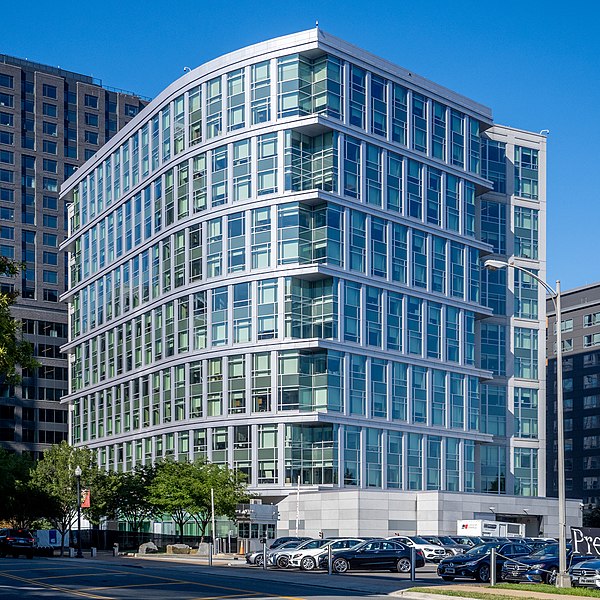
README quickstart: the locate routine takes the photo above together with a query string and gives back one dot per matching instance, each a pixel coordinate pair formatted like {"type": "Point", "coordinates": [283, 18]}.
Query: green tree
{"type": "Point", "coordinates": [229, 489]}
{"type": "Point", "coordinates": [13, 468]}
{"type": "Point", "coordinates": [15, 352]}
{"type": "Point", "coordinates": [134, 504]}
{"type": "Point", "coordinates": [21, 504]}
{"type": "Point", "coordinates": [171, 492]}
{"type": "Point", "coordinates": [127, 496]}
{"type": "Point", "coordinates": [55, 475]}
{"type": "Point", "coordinates": [183, 491]}
{"type": "Point", "coordinates": [104, 490]}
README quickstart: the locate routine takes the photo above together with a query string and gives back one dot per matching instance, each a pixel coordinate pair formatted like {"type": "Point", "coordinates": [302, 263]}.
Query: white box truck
{"type": "Point", "coordinates": [483, 528]}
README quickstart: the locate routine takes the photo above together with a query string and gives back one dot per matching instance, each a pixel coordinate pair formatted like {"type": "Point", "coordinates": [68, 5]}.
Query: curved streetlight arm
{"type": "Point", "coordinates": [494, 265]}
{"type": "Point", "coordinates": [562, 579]}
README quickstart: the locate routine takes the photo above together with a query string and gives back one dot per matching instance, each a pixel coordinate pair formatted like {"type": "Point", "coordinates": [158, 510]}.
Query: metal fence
{"type": "Point", "coordinates": [130, 541]}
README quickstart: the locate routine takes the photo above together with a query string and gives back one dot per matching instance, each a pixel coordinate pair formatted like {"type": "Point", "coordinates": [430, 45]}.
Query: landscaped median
{"type": "Point", "coordinates": [502, 591]}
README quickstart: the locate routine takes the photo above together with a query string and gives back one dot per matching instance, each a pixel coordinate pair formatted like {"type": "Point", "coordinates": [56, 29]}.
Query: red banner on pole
{"type": "Point", "coordinates": [85, 498]}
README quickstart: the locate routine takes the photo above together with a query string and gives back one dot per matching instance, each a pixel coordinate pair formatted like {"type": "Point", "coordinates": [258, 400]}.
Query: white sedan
{"type": "Point", "coordinates": [306, 558]}
{"type": "Point", "coordinates": [431, 552]}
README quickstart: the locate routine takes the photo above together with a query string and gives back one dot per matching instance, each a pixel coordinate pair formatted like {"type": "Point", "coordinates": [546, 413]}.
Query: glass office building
{"type": "Point", "coordinates": [277, 266]}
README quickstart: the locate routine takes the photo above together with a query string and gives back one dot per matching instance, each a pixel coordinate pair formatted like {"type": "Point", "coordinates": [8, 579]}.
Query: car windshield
{"type": "Point", "coordinates": [446, 540]}
{"type": "Point", "coordinates": [481, 550]}
{"type": "Point", "coordinates": [18, 533]}
{"type": "Point", "coordinates": [312, 544]}
{"type": "Point", "coordinates": [418, 540]}
{"type": "Point", "coordinates": [292, 544]}
{"type": "Point", "coordinates": [546, 551]}
{"type": "Point", "coordinates": [359, 546]}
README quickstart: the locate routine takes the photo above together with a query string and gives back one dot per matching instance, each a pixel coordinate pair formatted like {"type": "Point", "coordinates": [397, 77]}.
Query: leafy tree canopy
{"type": "Point", "coordinates": [14, 350]}
{"type": "Point", "coordinates": [183, 490]}
{"type": "Point", "coordinates": [55, 475]}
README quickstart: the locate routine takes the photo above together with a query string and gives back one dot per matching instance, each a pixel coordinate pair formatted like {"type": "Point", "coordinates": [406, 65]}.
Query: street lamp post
{"type": "Point", "coordinates": [562, 579]}
{"type": "Point", "coordinates": [78, 479]}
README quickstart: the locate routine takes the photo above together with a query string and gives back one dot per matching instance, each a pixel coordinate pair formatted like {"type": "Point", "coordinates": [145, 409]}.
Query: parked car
{"type": "Point", "coordinates": [475, 563]}
{"type": "Point", "coordinates": [448, 544]}
{"type": "Point", "coordinates": [308, 558]}
{"type": "Point", "coordinates": [16, 542]}
{"type": "Point", "coordinates": [256, 557]}
{"type": "Point", "coordinates": [431, 552]}
{"type": "Point", "coordinates": [282, 559]}
{"type": "Point", "coordinates": [374, 555]}
{"type": "Point", "coordinates": [586, 574]}
{"type": "Point", "coordinates": [468, 540]}
{"type": "Point", "coordinates": [284, 540]}
{"type": "Point", "coordinates": [540, 566]}
{"type": "Point", "coordinates": [538, 544]}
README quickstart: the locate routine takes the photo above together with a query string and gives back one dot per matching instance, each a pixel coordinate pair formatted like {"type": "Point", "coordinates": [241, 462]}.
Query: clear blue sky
{"type": "Point", "coordinates": [536, 64]}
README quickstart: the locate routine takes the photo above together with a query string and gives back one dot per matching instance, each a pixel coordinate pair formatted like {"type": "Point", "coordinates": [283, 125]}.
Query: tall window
{"type": "Point", "coordinates": [493, 225]}
{"type": "Point", "coordinates": [493, 163]}
{"type": "Point", "coordinates": [526, 232]}
{"type": "Point", "coordinates": [526, 353]}
{"type": "Point", "coordinates": [526, 295]}
{"type": "Point", "coordinates": [526, 172]}
{"type": "Point", "coordinates": [493, 348]}
{"type": "Point", "coordinates": [260, 93]}
{"type": "Point", "coordinates": [526, 412]}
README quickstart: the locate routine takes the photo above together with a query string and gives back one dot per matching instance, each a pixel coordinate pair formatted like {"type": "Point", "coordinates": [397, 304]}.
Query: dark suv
{"type": "Point", "coordinates": [540, 566]}
{"type": "Point", "coordinates": [475, 563]}
{"type": "Point", "coordinates": [16, 542]}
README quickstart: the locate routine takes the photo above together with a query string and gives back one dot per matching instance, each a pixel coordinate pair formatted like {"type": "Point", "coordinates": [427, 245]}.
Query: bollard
{"type": "Point", "coordinates": [413, 563]}
{"type": "Point", "coordinates": [71, 552]}
{"type": "Point", "coordinates": [93, 552]}
{"type": "Point", "coordinates": [115, 550]}
{"type": "Point", "coordinates": [329, 559]}
{"type": "Point", "coordinates": [264, 553]}
{"type": "Point", "coordinates": [210, 554]}
{"type": "Point", "coordinates": [493, 567]}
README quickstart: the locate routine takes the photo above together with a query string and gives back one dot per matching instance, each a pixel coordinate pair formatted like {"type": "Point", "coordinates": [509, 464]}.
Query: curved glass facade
{"type": "Point", "coordinates": [276, 266]}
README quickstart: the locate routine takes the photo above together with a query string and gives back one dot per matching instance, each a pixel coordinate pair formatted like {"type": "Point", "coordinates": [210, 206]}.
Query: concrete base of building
{"type": "Point", "coordinates": [387, 512]}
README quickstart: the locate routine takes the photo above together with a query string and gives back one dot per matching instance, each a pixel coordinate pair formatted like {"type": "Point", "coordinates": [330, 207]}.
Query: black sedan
{"type": "Point", "coordinates": [16, 542]}
{"type": "Point", "coordinates": [540, 566]}
{"type": "Point", "coordinates": [373, 556]}
{"type": "Point", "coordinates": [475, 563]}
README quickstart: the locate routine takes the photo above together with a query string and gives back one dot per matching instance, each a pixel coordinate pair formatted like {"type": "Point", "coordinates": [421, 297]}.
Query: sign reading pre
{"type": "Point", "coordinates": [585, 540]}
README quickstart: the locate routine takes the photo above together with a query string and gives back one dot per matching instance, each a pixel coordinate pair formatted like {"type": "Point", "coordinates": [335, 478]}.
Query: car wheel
{"type": "Point", "coordinates": [340, 565]}
{"type": "Point", "coordinates": [283, 562]}
{"type": "Point", "coordinates": [483, 573]}
{"type": "Point", "coordinates": [259, 560]}
{"type": "Point", "coordinates": [307, 563]}
{"type": "Point", "coordinates": [447, 578]}
{"type": "Point", "coordinates": [551, 577]}
{"type": "Point", "coordinates": [403, 565]}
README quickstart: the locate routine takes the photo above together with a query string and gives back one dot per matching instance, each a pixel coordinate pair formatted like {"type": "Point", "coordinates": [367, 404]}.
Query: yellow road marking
{"type": "Point", "coordinates": [54, 587]}
{"type": "Point", "coordinates": [95, 574]}
{"type": "Point", "coordinates": [163, 581]}
{"type": "Point", "coordinates": [198, 583]}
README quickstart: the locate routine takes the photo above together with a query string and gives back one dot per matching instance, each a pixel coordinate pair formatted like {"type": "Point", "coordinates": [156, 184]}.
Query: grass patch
{"type": "Point", "coordinates": [447, 591]}
{"type": "Point", "coordinates": [550, 589]}
{"type": "Point", "coordinates": [524, 587]}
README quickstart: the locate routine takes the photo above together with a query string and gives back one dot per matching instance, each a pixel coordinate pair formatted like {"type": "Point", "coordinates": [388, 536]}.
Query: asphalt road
{"type": "Point", "coordinates": [62, 578]}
